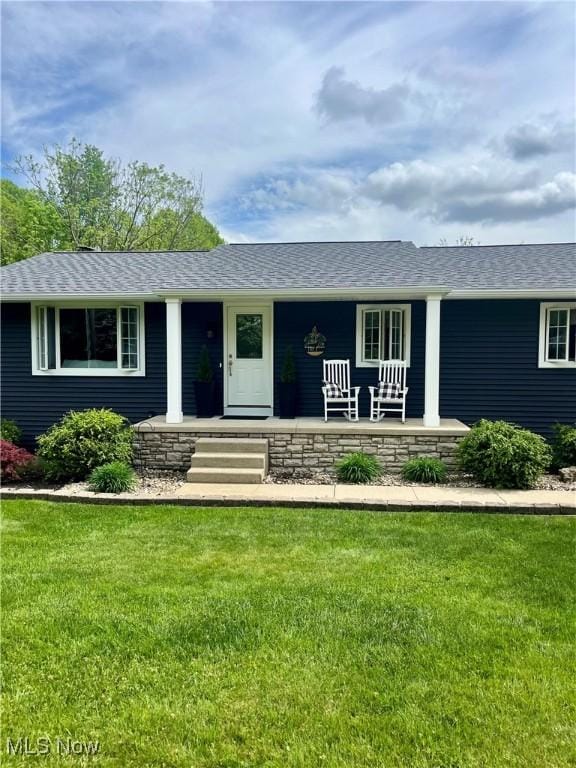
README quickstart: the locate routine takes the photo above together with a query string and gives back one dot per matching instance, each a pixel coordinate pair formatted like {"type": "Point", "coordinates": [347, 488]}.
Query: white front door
{"type": "Point", "coordinates": [248, 388]}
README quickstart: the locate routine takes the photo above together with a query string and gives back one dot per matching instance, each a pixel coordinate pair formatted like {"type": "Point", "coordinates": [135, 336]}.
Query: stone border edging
{"type": "Point", "coordinates": [369, 505]}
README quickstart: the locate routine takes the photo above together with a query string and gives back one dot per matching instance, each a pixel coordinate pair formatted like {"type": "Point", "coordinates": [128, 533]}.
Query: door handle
{"type": "Point", "coordinates": [230, 362]}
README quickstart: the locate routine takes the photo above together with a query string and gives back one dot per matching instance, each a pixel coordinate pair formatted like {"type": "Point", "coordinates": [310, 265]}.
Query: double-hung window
{"type": "Point", "coordinates": [557, 335]}
{"type": "Point", "coordinates": [103, 340]}
{"type": "Point", "coordinates": [382, 333]}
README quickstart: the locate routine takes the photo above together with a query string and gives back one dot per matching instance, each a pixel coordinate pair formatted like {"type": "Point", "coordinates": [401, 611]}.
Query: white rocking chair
{"type": "Point", "coordinates": [390, 394]}
{"type": "Point", "coordinates": [339, 396]}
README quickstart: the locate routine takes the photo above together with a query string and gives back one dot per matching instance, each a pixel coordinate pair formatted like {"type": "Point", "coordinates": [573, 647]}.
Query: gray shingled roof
{"type": "Point", "coordinates": [295, 266]}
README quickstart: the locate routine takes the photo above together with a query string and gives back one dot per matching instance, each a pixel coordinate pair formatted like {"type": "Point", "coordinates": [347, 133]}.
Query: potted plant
{"type": "Point", "coordinates": [287, 390]}
{"type": "Point", "coordinates": [204, 385]}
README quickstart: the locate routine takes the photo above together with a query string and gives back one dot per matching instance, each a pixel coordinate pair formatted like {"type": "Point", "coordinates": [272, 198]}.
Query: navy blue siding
{"type": "Point", "coordinates": [489, 366]}
{"type": "Point", "coordinates": [337, 321]}
{"type": "Point", "coordinates": [201, 324]}
{"type": "Point", "coordinates": [36, 402]}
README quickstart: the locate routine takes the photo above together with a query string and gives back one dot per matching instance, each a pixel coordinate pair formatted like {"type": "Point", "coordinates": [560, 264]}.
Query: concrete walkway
{"type": "Point", "coordinates": [377, 497]}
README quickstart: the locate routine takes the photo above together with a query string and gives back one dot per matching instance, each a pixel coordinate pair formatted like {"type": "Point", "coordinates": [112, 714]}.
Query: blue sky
{"type": "Point", "coordinates": [316, 121]}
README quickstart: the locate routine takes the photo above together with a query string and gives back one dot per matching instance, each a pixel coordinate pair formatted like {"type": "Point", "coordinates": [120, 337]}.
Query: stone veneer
{"type": "Point", "coordinates": [296, 452]}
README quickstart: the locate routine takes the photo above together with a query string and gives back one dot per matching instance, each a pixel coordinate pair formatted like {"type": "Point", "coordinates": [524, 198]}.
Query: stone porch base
{"type": "Point", "coordinates": [298, 445]}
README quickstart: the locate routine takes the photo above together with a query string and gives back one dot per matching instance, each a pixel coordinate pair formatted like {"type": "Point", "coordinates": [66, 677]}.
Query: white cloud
{"type": "Point", "coordinates": [472, 193]}
{"type": "Point", "coordinates": [531, 139]}
{"type": "Point", "coordinates": [341, 99]}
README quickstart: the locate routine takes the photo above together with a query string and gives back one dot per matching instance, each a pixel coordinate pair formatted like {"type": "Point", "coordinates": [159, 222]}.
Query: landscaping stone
{"type": "Point", "coordinates": [568, 474]}
{"type": "Point", "coordinates": [295, 451]}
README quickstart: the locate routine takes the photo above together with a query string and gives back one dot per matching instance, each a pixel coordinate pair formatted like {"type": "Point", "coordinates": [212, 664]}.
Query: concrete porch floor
{"type": "Point", "coordinates": [303, 425]}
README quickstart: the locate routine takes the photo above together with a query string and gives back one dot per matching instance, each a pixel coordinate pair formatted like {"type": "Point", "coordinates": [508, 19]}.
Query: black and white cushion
{"type": "Point", "coordinates": [388, 390]}
{"type": "Point", "coordinates": [333, 390]}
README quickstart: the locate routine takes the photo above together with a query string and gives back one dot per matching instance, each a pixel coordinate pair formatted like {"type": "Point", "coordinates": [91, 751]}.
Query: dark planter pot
{"type": "Point", "coordinates": [204, 391]}
{"type": "Point", "coordinates": [288, 399]}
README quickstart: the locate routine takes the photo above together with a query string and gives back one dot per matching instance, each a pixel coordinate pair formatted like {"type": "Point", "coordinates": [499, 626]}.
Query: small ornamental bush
{"type": "Point", "coordinates": [358, 468]}
{"type": "Point", "coordinates": [13, 460]}
{"type": "Point", "coordinates": [10, 431]}
{"type": "Point", "coordinates": [84, 440]}
{"type": "Point", "coordinates": [205, 372]}
{"type": "Point", "coordinates": [502, 455]}
{"type": "Point", "coordinates": [115, 477]}
{"type": "Point", "coordinates": [564, 446]}
{"type": "Point", "coordinates": [424, 469]}
{"type": "Point", "coordinates": [288, 374]}
{"type": "Point", "coordinates": [34, 470]}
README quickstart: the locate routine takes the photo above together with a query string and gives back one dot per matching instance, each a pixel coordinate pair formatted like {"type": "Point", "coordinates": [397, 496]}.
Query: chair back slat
{"type": "Point", "coordinates": [393, 372]}
{"type": "Point", "coordinates": [337, 372]}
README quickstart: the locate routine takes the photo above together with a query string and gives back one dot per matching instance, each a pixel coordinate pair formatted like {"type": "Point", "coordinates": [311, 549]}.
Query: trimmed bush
{"type": "Point", "coordinates": [13, 460]}
{"type": "Point", "coordinates": [84, 440]}
{"type": "Point", "coordinates": [564, 446]}
{"type": "Point", "coordinates": [115, 477]}
{"type": "Point", "coordinates": [10, 431]}
{"type": "Point", "coordinates": [34, 470]}
{"type": "Point", "coordinates": [358, 468]}
{"type": "Point", "coordinates": [503, 455]}
{"type": "Point", "coordinates": [424, 469]}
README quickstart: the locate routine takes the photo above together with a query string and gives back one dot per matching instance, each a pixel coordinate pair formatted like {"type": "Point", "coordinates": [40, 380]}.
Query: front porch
{"type": "Point", "coordinates": [302, 445]}
{"type": "Point", "coordinates": [246, 343]}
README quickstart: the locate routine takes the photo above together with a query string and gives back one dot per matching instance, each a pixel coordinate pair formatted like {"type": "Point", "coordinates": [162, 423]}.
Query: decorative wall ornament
{"type": "Point", "coordinates": [314, 343]}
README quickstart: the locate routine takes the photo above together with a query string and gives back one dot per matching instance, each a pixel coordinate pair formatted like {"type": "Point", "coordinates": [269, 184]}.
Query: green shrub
{"type": "Point", "coordinates": [115, 477]}
{"type": "Point", "coordinates": [424, 469]}
{"type": "Point", "coordinates": [502, 455]}
{"type": "Point", "coordinates": [564, 446]}
{"type": "Point", "coordinates": [358, 468]}
{"type": "Point", "coordinates": [288, 374]}
{"type": "Point", "coordinates": [33, 471]}
{"type": "Point", "coordinates": [82, 441]}
{"type": "Point", "coordinates": [204, 372]}
{"type": "Point", "coordinates": [10, 431]}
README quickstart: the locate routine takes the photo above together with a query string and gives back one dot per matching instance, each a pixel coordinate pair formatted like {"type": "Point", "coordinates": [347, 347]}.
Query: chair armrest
{"type": "Point", "coordinates": [355, 390]}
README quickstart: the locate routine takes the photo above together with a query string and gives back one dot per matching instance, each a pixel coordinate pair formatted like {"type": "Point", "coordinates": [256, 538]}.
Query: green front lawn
{"type": "Point", "coordinates": [267, 637]}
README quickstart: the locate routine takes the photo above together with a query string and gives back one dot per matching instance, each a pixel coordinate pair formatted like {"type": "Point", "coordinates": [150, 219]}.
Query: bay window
{"type": "Point", "coordinates": [382, 333]}
{"type": "Point", "coordinates": [88, 340]}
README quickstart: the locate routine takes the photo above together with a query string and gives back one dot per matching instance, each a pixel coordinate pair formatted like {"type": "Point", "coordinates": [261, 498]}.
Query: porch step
{"type": "Point", "coordinates": [229, 475]}
{"type": "Point", "coordinates": [228, 460]}
{"type": "Point", "coordinates": [231, 445]}
{"type": "Point", "coordinates": [225, 460]}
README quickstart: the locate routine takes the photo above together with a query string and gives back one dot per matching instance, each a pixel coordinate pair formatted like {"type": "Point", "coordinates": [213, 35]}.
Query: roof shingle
{"type": "Point", "coordinates": [294, 266]}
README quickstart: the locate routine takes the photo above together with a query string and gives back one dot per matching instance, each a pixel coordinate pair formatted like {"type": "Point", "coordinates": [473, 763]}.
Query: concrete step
{"type": "Point", "coordinates": [231, 445]}
{"type": "Point", "coordinates": [219, 475]}
{"type": "Point", "coordinates": [229, 460]}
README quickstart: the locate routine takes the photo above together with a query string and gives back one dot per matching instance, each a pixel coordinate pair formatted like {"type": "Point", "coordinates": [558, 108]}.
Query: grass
{"type": "Point", "coordinates": [268, 637]}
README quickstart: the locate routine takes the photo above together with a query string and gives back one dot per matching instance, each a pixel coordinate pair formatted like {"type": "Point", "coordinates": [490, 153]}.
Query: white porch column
{"type": "Point", "coordinates": [432, 362]}
{"type": "Point", "coordinates": [174, 361]}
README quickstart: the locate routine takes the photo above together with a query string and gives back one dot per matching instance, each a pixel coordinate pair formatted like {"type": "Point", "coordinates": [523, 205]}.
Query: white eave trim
{"type": "Point", "coordinates": [520, 293]}
{"type": "Point", "coordinates": [306, 294]}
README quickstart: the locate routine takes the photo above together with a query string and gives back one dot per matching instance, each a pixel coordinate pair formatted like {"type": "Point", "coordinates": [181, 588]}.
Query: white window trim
{"type": "Point", "coordinates": [360, 309]}
{"type": "Point", "coordinates": [543, 362]}
{"type": "Point", "coordinates": [88, 372]}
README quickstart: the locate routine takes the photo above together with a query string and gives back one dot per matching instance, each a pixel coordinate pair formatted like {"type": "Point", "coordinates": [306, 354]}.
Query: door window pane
{"type": "Point", "coordinates": [88, 338]}
{"type": "Point", "coordinates": [249, 337]}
